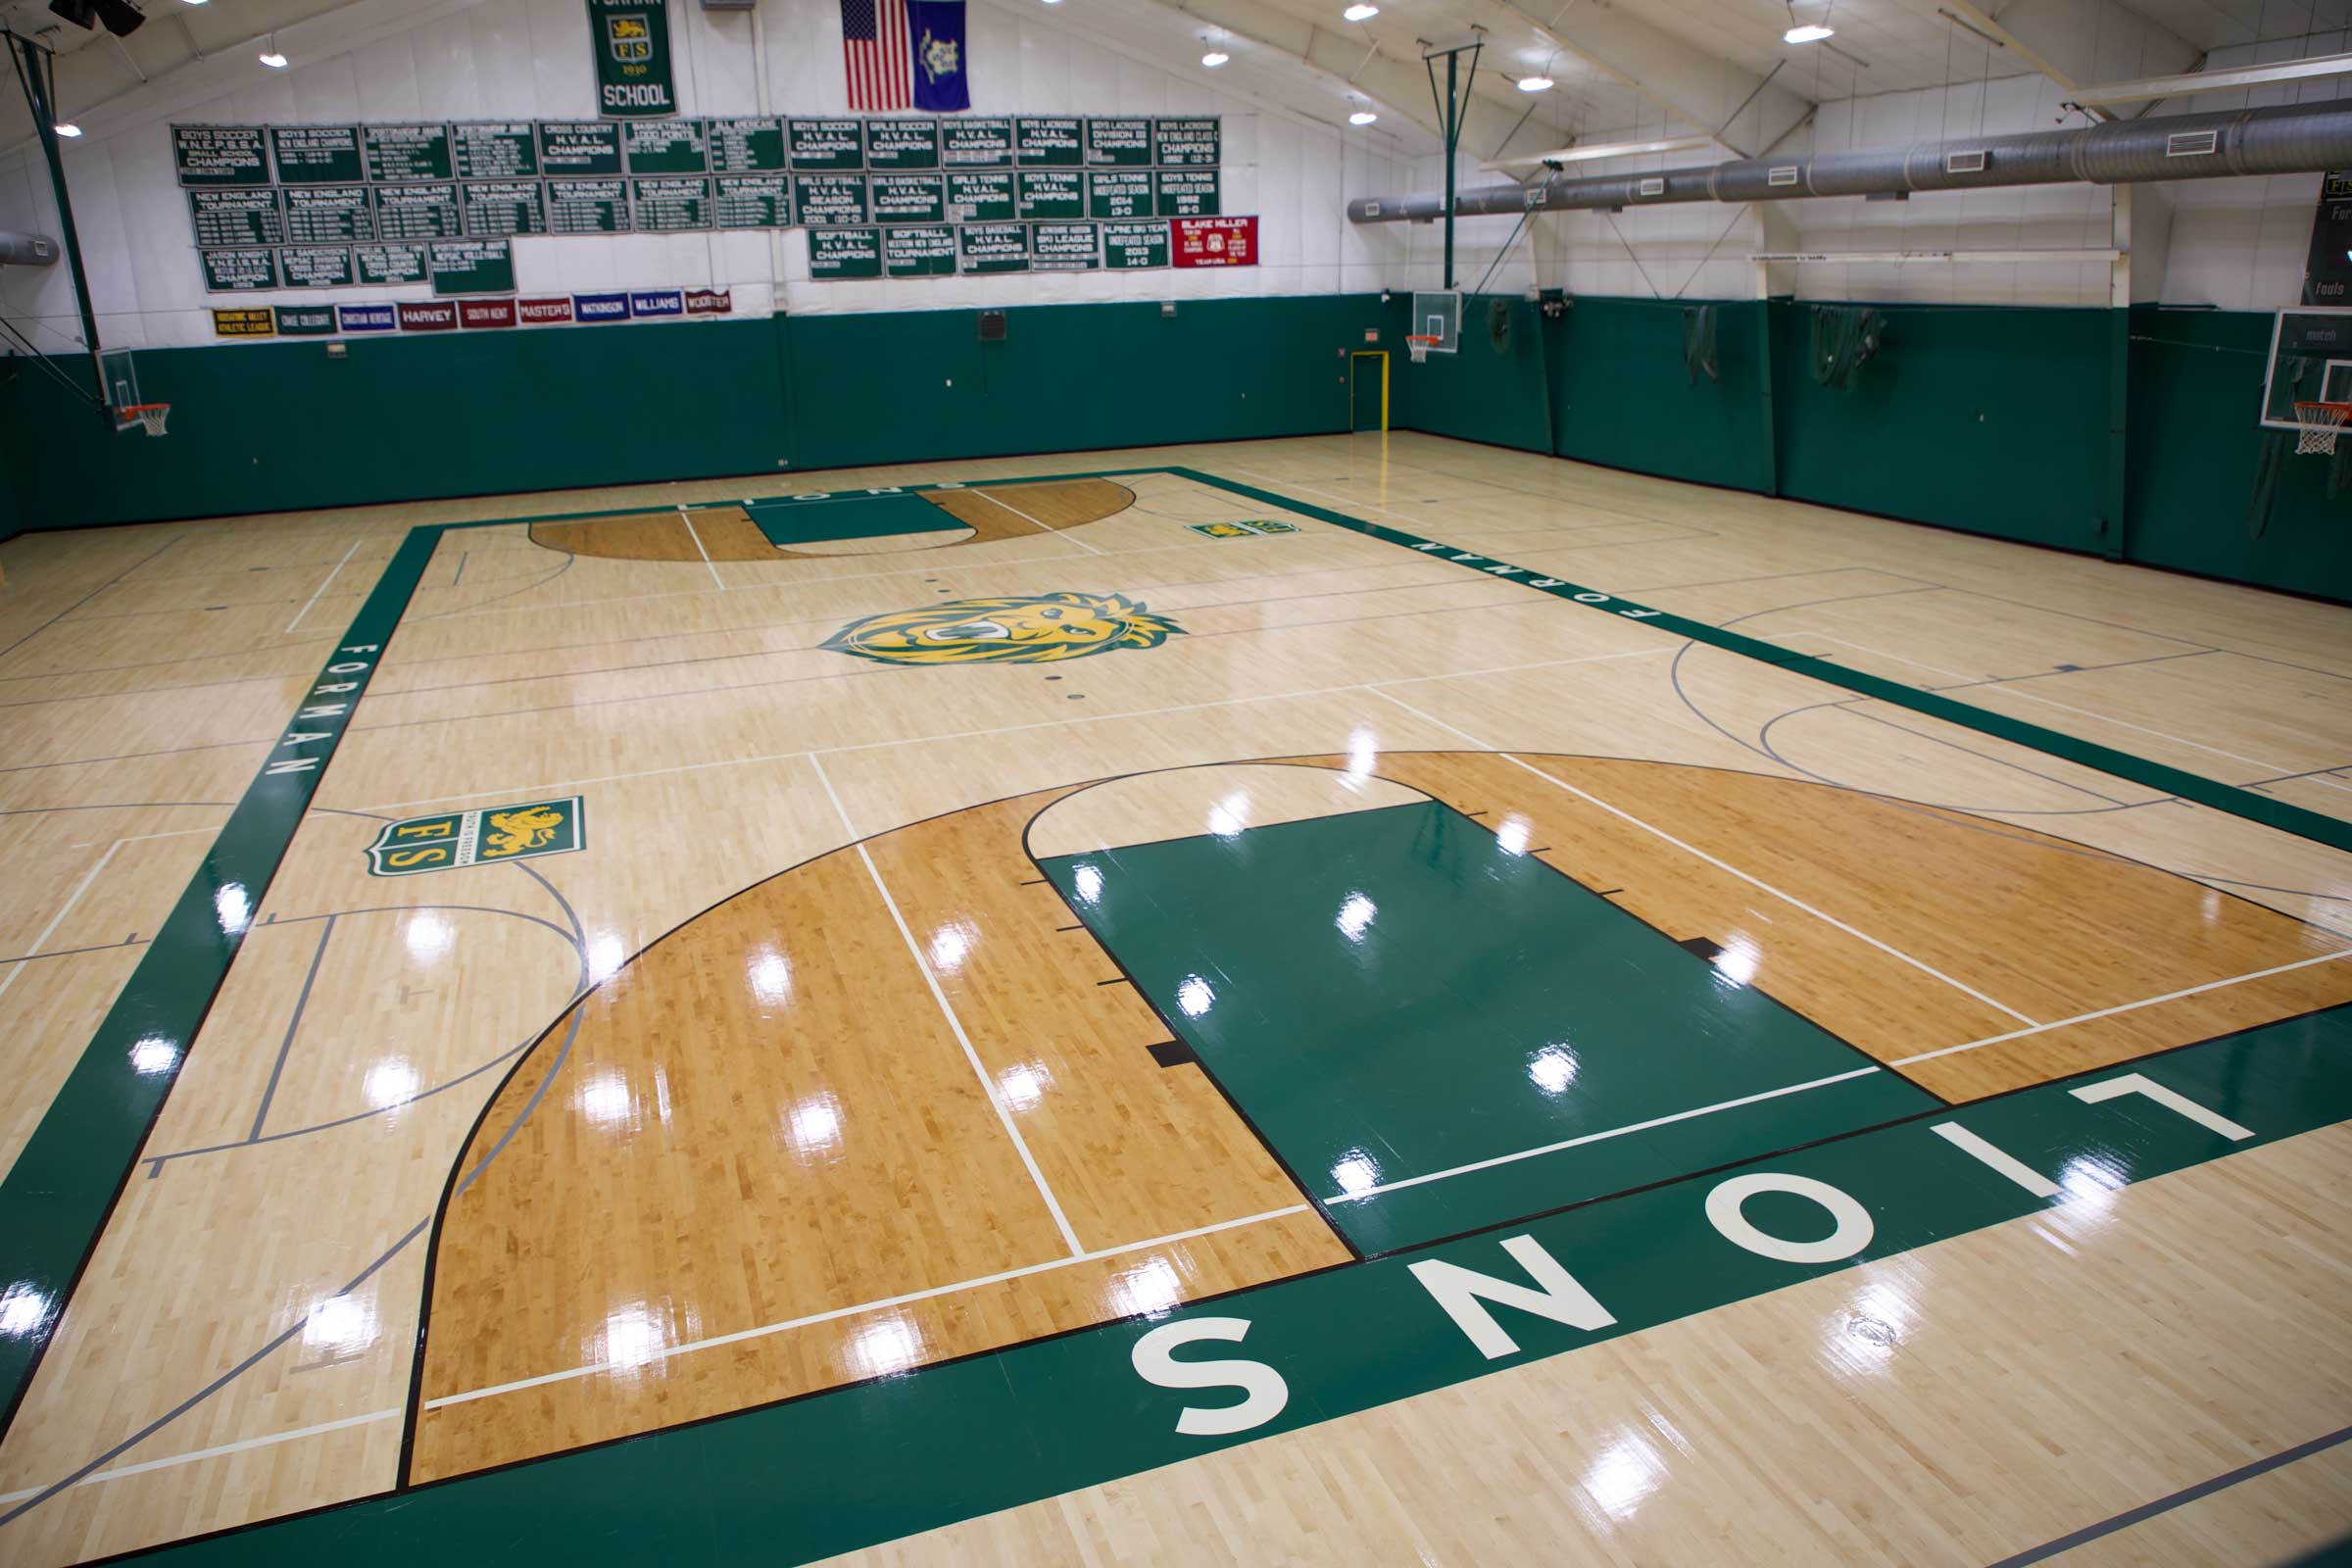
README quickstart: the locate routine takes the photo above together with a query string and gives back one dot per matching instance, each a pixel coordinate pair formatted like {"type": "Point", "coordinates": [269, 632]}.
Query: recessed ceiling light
{"type": "Point", "coordinates": [1362, 117]}
{"type": "Point", "coordinates": [1214, 58]}
{"type": "Point", "coordinates": [1810, 32]}
{"type": "Point", "coordinates": [1359, 11]}
{"type": "Point", "coordinates": [193, 1]}
{"type": "Point", "coordinates": [68, 130]}
{"type": "Point", "coordinates": [272, 59]}
{"type": "Point", "coordinates": [1535, 85]}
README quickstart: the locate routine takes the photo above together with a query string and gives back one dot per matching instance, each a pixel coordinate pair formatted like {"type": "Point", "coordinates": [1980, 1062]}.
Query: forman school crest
{"type": "Point", "coordinates": [1028, 628]}
{"type": "Point", "coordinates": [454, 839]}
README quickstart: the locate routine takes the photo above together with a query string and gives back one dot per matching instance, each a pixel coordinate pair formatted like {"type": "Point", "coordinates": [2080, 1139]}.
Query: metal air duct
{"type": "Point", "coordinates": [26, 250]}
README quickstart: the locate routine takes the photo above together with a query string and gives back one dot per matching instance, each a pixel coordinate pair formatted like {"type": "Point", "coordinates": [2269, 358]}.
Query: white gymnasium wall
{"type": "Point", "coordinates": [396, 60]}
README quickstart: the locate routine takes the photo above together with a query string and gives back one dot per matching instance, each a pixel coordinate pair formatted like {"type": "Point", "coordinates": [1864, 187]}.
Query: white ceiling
{"type": "Point", "coordinates": [1619, 66]}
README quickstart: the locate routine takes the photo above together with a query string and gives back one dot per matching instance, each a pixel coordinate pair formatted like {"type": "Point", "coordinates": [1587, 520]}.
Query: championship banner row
{"type": "Point", "coordinates": [253, 156]}
{"type": "Point", "coordinates": [835, 255]}
{"type": "Point", "coordinates": [473, 316]}
{"type": "Point", "coordinates": [448, 209]}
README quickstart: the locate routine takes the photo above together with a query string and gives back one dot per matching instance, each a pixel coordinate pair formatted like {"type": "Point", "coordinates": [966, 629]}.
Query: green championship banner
{"type": "Point", "coordinates": [631, 39]}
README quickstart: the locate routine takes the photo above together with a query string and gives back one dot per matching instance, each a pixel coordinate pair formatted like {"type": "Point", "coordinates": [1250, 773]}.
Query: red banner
{"type": "Point", "coordinates": [710, 301]}
{"type": "Point", "coordinates": [545, 313]}
{"type": "Point", "coordinates": [431, 316]}
{"type": "Point", "coordinates": [480, 314]}
{"type": "Point", "coordinates": [1214, 241]}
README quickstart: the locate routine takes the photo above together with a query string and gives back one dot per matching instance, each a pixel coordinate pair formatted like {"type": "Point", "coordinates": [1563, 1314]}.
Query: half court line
{"type": "Point", "coordinates": [321, 588]}
{"type": "Point", "coordinates": [707, 564]}
{"type": "Point", "coordinates": [1031, 522]}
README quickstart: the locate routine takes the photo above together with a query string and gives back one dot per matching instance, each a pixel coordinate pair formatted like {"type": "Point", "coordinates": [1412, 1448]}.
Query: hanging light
{"type": "Point", "coordinates": [1214, 58]}
{"type": "Point", "coordinates": [271, 57]}
{"type": "Point", "coordinates": [1359, 11]}
{"type": "Point", "coordinates": [68, 131]}
{"type": "Point", "coordinates": [1535, 85]}
{"type": "Point", "coordinates": [1809, 32]}
{"type": "Point", "coordinates": [1362, 117]}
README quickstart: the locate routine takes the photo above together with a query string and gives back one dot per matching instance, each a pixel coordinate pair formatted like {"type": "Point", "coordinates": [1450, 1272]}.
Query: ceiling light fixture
{"type": "Point", "coordinates": [271, 57]}
{"type": "Point", "coordinates": [1362, 117]}
{"type": "Point", "coordinates": [68, 131]}
{"type": "Point", "coordinates": [1359, 11]}
{"type": "Point", "coordinates": [1810, 32]}
{"type": "Point", "coordinates": [1535, 85]}
{"type": "Point", "coordinates": [1214, 58]}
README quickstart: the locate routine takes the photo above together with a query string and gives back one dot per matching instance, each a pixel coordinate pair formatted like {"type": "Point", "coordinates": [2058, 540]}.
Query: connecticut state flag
{"type": "Point", "coordinates": [936, 29]}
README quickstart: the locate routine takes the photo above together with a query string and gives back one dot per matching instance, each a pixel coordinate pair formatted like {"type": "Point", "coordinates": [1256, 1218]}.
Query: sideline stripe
{"type": "Point", "coordinates": [55, 1201]}
{"type": "Point", "coordinates": [2330, 831]}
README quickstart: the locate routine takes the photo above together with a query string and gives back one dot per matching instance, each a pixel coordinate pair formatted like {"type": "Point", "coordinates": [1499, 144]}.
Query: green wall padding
{"type": "Point", "coordinates": [1984, 419]}
{"type": "Point", "coordinates": [1621, 397]}
{"type": "Point", "coordinates": [2197, 393]}
{"type": "Point", "coordinates": [1482, 391]}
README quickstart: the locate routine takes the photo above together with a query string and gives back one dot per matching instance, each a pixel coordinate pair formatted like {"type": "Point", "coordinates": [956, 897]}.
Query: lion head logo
{"type": "Point", "coordinates": [1028, 628]}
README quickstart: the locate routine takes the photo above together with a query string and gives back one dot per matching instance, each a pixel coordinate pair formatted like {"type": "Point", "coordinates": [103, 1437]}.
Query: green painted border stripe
{"type": "Point", "coordinates": [2194, 787]}
{"type": "Point", "coordinates": [55, 1200]}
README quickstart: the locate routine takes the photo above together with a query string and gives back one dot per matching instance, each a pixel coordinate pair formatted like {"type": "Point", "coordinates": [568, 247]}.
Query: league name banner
{"type": "Point", "coordinates": [1057, 196]}
{"type": "Point", "coordinates": [631, 39]}
{"type": "Point", "coordinates": [1214, 241]}
{"type": "Point", "coordinates": [593, 309]}
{"type": "Point", "coordinates": [975, 143]}
{"type": "Point", "coordinates": [544, 312]}
{"type": "Point", "coordinates": [499, 209]}
{"type": "Point", "coordinates": [390, 265]}
{"type": "Point", "coordinates": [246, 270]}
{"type": "Point", "coordinates": [1134, 247]}
{"type": "Point", "coordinates": [827, 201]}
{"type": "Point", "coordinates": [2328, 271]}
{"type": "Point", "coordinates": [670, 206]}
{"type": "Point", "coordinates": [747, 146]}
{"type": "Point", "coordinates": [306, 320]}
{"type": "Point", "coordinates": [428, 315]}
{"type": "Point", "coordinates": [418, 211]}
{"type": "Point", "coordinates": [495, 149]}
{"type": "Point", "coordinates": [751, 201]}
{"type": "Point", "coordinates": [236, 217]}
{"type": "Point", "coordinates": [316, 155]}
{"type": "Point", "coordinates": [367, 318]}
{"type": "Point", "coordinates": [579, 149]}
{"type": "Point", "coordinates": [1194, 143]}
{"type": "Point", "coordinates": [650, 304]}
{"type": "Point", "coordinates": [710, 301]}
{"type": "Point", "coordinates": [485, 316]}
{"type": "Point", "coordinates": [923, 252]}
{"type": "Point", "coordinates": [1065, 248]}
{"type": "Point", "coordinates": [473, 267]}
{"type": "Point", "coordinates": [316, 266]}
{"type": "Point", "coordinates": [588, 206]}
{"type": "Point", "coordinates": [247, 320]}
{"type": "Point", "coordinates": [398, 153]}
{"type": "Point", "coordinates": [328, 215]}
{"type": "Point", "coordinates": [220, 155]}
{"type": "Point", "coordinates": [902, 146]}
{"type": "Point", "coordinates": [980, 198]}
{"type": "Point", "coordinates": [837, 255]}
{"type": "Point", "coordinates": [983, 249]}
{"type": "Point", "coordinates": [821, 146]}
{"type": "Point", "coordinates": [909, 198]}
{"type": "Point", "coordinates": [666, 147]}
{"type": "Point", "coordinates": [1125, 193]}
{"type": "Point", "coordinates": [1049, 141]}
{"type": "Point", "coordinates": [1186, 193]}
{"type": "Point", "coordinates": [1119, 143]}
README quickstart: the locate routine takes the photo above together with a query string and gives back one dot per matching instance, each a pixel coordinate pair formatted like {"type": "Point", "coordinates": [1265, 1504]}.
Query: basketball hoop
{"type": "Point", "coordinates": [1420, 347]}
{"type": "Point", "coordinates": [2322, 423]}
{"type": "Point", "coordinates": [150, 415]}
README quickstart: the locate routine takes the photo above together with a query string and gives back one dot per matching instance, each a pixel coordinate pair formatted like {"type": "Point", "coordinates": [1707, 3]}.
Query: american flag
{"type": "Point", "coordinates": [876, 55]}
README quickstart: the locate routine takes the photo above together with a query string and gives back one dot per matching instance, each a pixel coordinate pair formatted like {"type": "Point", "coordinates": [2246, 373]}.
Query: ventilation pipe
{"type": "Point", "coordinates": [26, 250]}
{"type": "Point", "coordinates": [2285, 139]}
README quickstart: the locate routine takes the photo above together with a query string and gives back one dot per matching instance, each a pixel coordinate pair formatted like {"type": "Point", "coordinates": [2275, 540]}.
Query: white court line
{"type": "Point", "coordinates": [870, 1306]}
{"type": "Point", "coordinates": [1031, 522]}
{"type": "Point", "coordinates": [64, 910]}
{"type": "Point", "coordinates": [321, 588]}
{"type": "Point", "coordinates": [2128, 1006]}
{"type": "Point", "coordinates": [1694, 849]}
{"type": "Point", "coordinates": [2123, 723]}
{"type": "Point", "coordinates": [705, 554]}
{"type": "Point", "coordinates": [195, 1455]}
{"type": "Point", "coordinates": [988, 1085]}
{"type": "Point", "coordinates": [1595, 1138]}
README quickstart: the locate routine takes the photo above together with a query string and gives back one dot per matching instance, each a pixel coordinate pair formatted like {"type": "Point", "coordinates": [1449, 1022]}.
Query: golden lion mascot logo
{"type": "Point", "coordinates": [1023, 629]}
{"type": "Point", "coordinates": [513, 832]}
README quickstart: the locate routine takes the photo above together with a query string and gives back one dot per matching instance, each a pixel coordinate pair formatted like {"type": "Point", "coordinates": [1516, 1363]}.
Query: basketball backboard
{"type": "Point", "coordinates": [2311, 361]}
{"type": "Point", "coordinates": [1438, 313]}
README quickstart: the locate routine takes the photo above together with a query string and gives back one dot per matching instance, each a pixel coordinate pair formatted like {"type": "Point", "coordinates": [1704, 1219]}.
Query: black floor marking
{"type": "Point", "coordinates": [1174, 1054]}
{"type": "Point", "coordinates": [1705, 948]}
{"type": "Point", "coordinates": [1069, 928]}
{"type": "Point", "coordinates": [1607, 892]}
{"type": "Point", "coordinates": [1114, 980]}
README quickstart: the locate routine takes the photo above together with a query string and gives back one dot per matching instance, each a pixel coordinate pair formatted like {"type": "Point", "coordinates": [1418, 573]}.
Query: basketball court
{"type": "Point", "coordinates": [1274, 999]}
